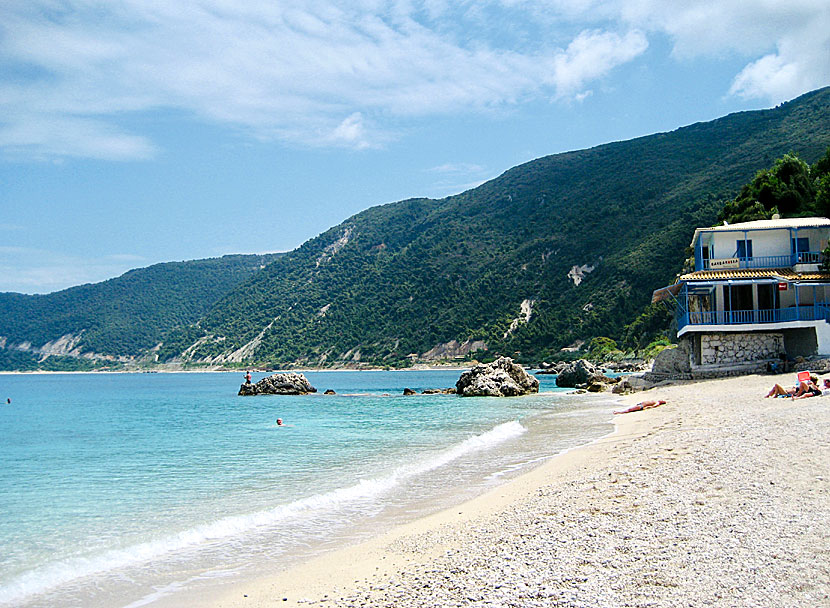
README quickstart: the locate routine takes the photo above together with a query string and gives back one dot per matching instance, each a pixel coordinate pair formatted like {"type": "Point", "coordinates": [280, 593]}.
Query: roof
{"type": "Point", "coordinates": [783, 274]}
{"type": "Point", "coordinates": [793, 222]}
{"type": "Point", "coordinates": [664, 292]}
{"type": "Point", "coordinates": [745, 274]}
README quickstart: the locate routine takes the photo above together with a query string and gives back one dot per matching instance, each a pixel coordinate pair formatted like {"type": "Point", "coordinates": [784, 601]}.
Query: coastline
{"type": "Point", "coordinates": [414, 368]}
{"type": "Point", "coordinates": [712, 498]}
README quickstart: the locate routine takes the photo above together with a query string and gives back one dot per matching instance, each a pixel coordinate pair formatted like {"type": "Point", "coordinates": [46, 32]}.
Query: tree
{"type": "Point", "coordinates": [820, 172]}
{"type": "Point", "coordinates": [786, 188]}
{"type": "Point", "coordinates": [822, 166]}
{"type": "Point", "coordinates": [600, 347]}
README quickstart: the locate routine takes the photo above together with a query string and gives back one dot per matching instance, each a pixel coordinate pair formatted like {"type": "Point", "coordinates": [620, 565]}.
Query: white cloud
{"type": "Point", "coordinates": [315, 72]}
{"type": "Point", "coordinates": [351, 132]}
{"type": "Point", "coordinates": [327, 73]}
{"type": "Point", "coordinates": [591, 55]}
{"type": "Point", "coordinates": [462, 168]}
{"type": "Point", "coordinates": [457, 177]}
{"type": "Point", "coordinates": [787, 43]}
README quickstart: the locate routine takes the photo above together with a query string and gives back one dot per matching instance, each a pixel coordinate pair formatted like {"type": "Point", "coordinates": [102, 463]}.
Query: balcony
{"type": "Point", "coordinates": [769, 261]}
{"type": "Point", "coordinates": [817, 312]}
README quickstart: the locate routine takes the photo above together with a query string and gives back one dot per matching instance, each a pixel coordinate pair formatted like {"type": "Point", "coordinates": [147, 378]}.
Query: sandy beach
{"type": "Point", "coordinates": [718, 498]}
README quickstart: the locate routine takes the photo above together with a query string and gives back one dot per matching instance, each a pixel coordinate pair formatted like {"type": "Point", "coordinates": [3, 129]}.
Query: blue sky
{"type": "Point", "coordinates": [140, 131]}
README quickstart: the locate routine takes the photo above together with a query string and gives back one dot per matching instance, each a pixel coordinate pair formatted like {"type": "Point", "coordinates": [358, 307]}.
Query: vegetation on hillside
{"type": "Point", "coordinates": [127, 315]}
{"type": "Point", "coordinates": [561, 250]}
{"type": "Point", "coordinates": [579, 239]}
{"type": "Point", "coordinates": [789, 188]}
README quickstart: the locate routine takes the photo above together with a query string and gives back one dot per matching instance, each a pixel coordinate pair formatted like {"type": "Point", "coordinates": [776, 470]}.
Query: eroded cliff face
{"type": "Point", "coordinates": [452, 349]}
{"type": "Point", "coordinates": [68, 345]}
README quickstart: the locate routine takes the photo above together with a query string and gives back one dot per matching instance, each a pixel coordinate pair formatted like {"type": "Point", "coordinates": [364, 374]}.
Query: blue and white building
{"type": "Point", "coordinates": [757, 292]}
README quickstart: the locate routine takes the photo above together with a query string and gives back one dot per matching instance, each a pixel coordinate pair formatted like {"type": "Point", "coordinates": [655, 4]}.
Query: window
{"type": "Point", "coordinates": [801, 246]}
{"type": "Point", "coordinates": [744, 249]}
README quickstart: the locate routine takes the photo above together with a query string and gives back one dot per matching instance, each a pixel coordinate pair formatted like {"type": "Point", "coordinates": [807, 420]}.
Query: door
{"type": "Point", "coordinates": [768, 303]}
{"type": "Point", "coordinates": [739, 304]}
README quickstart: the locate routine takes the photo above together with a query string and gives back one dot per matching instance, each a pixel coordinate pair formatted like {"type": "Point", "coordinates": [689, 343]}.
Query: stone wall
{"type": "Point", "coordinates": [728, 349]}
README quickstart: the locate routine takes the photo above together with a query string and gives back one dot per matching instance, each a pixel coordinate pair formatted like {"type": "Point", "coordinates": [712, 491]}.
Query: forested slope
{"type": "Point", "coordinates": [124, 316]}
{"type": "Point", "coordinates": [562, 248]}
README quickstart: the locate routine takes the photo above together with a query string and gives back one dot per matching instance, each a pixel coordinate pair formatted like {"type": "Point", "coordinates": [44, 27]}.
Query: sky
{"type": "Point", "coordinates": [141, 131]}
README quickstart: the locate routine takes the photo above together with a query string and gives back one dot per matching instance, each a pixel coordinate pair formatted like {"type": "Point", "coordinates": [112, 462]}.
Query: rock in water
{"type": "Point", "coordinates": [577, 374]}
{"type": "Point", "coordinates": [501, 378]}
{"type": "Point", "coordinates": [279, 384]}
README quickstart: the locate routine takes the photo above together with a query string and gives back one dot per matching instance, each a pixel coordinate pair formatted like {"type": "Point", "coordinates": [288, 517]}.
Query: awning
{"type": "Point", "coordinates": [664, 292]}
{"type": "Point", "coordinates": [778, 274]}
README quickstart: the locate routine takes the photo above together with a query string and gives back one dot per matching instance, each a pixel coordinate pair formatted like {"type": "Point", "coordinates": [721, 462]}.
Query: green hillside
{"type": "Point", "coordinates": [403, 278]}
{"type": "Point", "coordinates": [121, 317]}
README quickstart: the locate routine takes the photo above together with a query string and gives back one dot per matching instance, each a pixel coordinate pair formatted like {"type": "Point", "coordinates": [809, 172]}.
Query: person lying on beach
{"type": "Point", "coordinates": [803, 387]}
{"type": "Point", "coordinates": [643, 405]}
{"type": "Point", "coordinates": [780, 391]}
{"type": "Point", "coordinates": [814, 391]}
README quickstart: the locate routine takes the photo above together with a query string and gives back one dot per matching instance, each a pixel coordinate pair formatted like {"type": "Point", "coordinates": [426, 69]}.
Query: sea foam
{"type": "Point", "coordinates": [59, 573]}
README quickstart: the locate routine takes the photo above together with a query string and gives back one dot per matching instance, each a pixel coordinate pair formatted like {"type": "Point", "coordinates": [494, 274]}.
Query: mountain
{"type": "Point", "coordinates": [121, 318]}
{"type": "Point", "coordinates": [560, 249]}
{"type": "Point", "coordinates": [555, 251]}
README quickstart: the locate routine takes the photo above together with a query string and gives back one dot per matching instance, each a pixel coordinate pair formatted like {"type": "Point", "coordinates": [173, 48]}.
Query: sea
{"type": "Point", "coordinates": [140, 489]}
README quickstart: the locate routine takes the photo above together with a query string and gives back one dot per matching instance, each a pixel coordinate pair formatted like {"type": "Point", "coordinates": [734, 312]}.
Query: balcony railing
{"type": "Point", "coordinates": [772, 261]}
{"type": "Point", "coordinates": [817, 312]}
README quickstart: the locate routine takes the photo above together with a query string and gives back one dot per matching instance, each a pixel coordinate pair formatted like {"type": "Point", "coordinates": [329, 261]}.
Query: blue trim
{"type": "Point", "coordinates": [721, 230]}
{"type": "Point", "coordinates": [771, 261]}
{"type": "Point", "coordinates": [817, 312]}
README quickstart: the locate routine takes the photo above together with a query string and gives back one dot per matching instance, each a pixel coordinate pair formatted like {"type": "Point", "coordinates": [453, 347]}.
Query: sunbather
{"type": "Point", "coordinates": [803, 387]}
{"type": "Point", "coordinates": [815, 391]}
{"type": "Point", "coordinates": [643, 405]}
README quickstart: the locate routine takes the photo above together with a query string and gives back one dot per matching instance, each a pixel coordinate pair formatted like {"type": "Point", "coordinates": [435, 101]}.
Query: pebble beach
{"type": "Point", "coordinates": [718, 498]}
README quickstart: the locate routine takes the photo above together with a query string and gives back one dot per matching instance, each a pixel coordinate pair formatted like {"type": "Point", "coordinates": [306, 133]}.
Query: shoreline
{"type": "Point", "coordinates": [425, 368]}
{"type": "Point", "coordinates": [648, 514]}
{"type": "Point", "coordinates": [325, 577]}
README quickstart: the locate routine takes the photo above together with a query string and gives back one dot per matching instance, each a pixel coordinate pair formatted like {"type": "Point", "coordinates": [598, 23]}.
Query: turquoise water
{"type": "Point", "coordinates": [128, 489]}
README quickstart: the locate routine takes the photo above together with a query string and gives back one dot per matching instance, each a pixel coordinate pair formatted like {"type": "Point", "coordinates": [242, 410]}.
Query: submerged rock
{"type": "Point", "coordinates": [289, 383]}
{"type": "Point", "coordinates": [501, 378]}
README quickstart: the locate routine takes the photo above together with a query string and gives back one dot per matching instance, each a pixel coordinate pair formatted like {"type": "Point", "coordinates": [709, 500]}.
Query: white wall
{"type": "Point", "coordinates": [823, 337]}
{"type": "Point", "coordinates": [766, 242]}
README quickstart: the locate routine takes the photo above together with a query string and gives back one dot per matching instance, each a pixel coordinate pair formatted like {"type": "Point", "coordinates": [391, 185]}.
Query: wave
{"type": "Point", "coordinates": [56, 574]}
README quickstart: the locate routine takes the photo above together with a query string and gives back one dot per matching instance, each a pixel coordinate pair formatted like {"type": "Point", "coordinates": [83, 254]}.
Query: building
{"type": "Point", "coordinates": [757, 293]}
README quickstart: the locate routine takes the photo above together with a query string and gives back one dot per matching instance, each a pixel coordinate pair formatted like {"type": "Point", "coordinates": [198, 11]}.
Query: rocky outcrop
{"type": "Point", "coordinates": [629, 365]}
{"type": "Point", "coordinates": [631, 384]}
{"type": "Point", "coordinates": [584, 374]}
{"type": "Point", "coordinates": [502, 378]}
{"type": "Point", "coordinates": [577, 374]}
{"type": "Point", "coordinates": [289, 383]}
{"type": "Point", "coordinates": [677, 360]}
{"type": "Point", "coordinates": [552, 368]}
